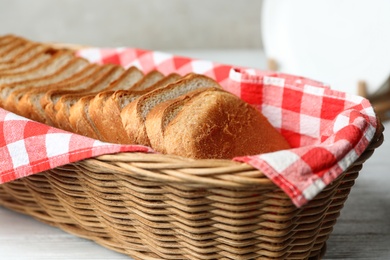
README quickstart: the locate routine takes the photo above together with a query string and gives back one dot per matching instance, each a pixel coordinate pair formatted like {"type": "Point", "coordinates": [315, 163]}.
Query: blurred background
{"type": "Point", "coordinates": [225, 31]}
{"type": "Point", "coordinates": [296, 36]}
{"type": "Point", "coordinates": [151, 24]}
{"type": "Point", "coordinates": [230, 31]}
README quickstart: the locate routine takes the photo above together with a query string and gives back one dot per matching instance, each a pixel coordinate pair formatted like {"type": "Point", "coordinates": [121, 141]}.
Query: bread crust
{"type": "Point", "coordinates": [219, 125]}
{"type": "Point", "coordinates": [160, 116]}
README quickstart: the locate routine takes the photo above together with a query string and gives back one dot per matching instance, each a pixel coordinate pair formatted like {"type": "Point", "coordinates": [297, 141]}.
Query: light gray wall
{"type": "Point", "coordinates": [151, 24]}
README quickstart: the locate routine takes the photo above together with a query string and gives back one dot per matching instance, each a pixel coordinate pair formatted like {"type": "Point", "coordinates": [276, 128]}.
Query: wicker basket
{"type": "Point", "coordinates": [151, 206]}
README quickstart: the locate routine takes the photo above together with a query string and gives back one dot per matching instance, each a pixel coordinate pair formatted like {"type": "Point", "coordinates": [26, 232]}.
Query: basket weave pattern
{"type": "Point", "coordinates": [152, 206]}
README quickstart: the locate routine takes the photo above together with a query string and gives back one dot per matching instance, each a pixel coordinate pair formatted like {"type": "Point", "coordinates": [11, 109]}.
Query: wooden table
{"type": "Point", "coordinates": [362, 231]}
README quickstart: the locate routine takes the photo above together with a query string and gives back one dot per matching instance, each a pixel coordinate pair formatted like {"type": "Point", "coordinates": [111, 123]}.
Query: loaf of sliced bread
{"type": "Point", "coordinates": [189, 116]}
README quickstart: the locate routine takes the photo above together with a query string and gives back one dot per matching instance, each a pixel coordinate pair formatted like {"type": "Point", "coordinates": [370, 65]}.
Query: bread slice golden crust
{"type": "Point", "coordinates": [109, 120]}
{"type": "Point", "coordinates": [134, 114]}
{"type": "Point", "coordinates": [219, 125]}
{"type": "Point", "coordinates": [79, 119]}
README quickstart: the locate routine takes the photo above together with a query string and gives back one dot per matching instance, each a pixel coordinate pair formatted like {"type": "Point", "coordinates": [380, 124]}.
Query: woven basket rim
{"type": "Point", "coordinates": [213, 172]}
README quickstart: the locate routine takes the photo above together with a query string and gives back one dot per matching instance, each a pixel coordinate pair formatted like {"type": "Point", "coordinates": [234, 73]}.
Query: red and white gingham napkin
{"type": "Point", "coordinates": [327, 129]}
{"type": "Point", "coordinates": [28, 147]}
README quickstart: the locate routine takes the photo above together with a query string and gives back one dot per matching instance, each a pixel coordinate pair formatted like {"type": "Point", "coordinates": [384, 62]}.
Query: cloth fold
{"type": "Point", "coordinates": [328, 130]}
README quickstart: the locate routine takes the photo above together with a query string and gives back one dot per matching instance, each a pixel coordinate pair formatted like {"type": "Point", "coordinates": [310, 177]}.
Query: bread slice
{"type": "Point", "coordinates": [80, 116]}
{"type": "Point", "coordinates": [161, 115]}
{"type": "Point", "coordinates": [147, 81]}
{"type": "Point", "coordinates": [134, 114]}
{"type": "Point", "coordinates": [128, 79]}
{"type": "Point", "coordinates": [109, 120]}
{"type": "Point", "coordinates": [219, 125]}
{"type": "Point", "coordinates": [106, 108]}
{"type": "Point", "coordinates": [79, 120]}
{"type": "Point", "coordinates": [66, 102]}
{"type": "Point", "coordinates": [18, 94]}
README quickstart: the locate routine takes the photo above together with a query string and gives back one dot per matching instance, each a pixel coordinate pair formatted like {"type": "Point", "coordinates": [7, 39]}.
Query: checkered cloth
{"type": "Point", "coordinates": [328, 130]}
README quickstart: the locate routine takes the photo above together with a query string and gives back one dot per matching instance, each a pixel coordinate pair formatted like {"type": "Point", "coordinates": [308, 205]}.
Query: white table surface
{"type": "Point", "coordinates": [362, 231]}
